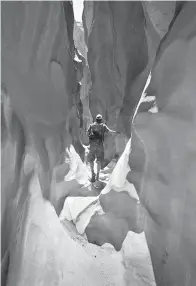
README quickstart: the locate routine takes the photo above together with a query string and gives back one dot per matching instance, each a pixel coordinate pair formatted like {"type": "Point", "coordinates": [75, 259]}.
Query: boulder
{"type": "Point", "coordinates": [120, 204]}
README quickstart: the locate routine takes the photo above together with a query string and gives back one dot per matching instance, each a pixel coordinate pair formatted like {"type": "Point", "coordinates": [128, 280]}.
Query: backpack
{"type": "Point", "coordinates": [96, 133]}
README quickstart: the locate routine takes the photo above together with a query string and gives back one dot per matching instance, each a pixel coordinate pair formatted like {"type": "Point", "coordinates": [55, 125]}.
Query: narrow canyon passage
{"type": "Point", "coordinates": [63, 63]}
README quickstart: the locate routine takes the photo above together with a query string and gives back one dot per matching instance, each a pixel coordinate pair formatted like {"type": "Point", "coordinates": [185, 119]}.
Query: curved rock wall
{"type": "Point", "coordinates": [41, 115]}
{"type": "Point", "coordinates": [39, 72]}
{"type": "Point", "coordinates": [85, 82]}
{"type": "Point", "coordinates": [162, 141]}
{"type": "Point", "coordinates": [79, 41]}
{"type": "Point", "coordinates": [166, 182]}
{"type": "Point", "coordinates": [39, 111]}
{"type": "Point", "coordinates": [122, 40]}
{"type": "Point", "coordinates": [161, 14]}
{"type": "Point", "coordinates": [117, 58]}
{"type": "Point", "coordinates": [116, 41]}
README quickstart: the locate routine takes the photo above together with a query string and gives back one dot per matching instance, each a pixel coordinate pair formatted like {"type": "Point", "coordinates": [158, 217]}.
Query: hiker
{"type": "Point", "coordinates": [96, 133]}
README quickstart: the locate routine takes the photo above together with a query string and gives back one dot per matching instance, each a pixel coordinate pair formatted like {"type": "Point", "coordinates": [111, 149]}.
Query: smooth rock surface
{"type": "Point", "coordinates": [40, 74]}
{"type": "Point", "coordinates": [39, 82]}
{"type": "Point", "coordinates": [167, 181]}
{"type": "Point", "coordinates": [152, 186]}
{"type": "Point", "coordinates": [117, 57]}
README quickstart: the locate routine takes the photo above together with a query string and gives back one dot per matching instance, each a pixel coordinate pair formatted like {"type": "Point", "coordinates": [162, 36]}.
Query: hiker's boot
{"type": "Point", "coordinates": [93, 178]}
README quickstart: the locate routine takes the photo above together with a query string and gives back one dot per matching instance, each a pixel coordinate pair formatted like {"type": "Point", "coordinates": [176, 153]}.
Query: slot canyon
{"type": "Point", "coordinates": [134, 62]}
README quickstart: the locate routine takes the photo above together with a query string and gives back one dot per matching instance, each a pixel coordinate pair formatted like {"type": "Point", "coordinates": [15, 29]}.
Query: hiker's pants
{"type": "Point", "coordinates": [96, 151]}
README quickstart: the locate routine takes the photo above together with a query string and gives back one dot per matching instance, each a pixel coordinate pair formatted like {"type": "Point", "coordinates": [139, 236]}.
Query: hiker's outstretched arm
{"type": "Point", "coordinates": [108, 130]}
{"type": "Point", "coordinates": [112, 131]}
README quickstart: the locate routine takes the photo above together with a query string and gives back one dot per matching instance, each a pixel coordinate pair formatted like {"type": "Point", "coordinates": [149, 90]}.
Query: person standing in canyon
{"type": "Point", "coordinates": [96, 132]}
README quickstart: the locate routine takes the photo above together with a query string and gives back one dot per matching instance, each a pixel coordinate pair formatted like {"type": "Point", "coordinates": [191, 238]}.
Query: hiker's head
{"type": "Point", "coordinates": [99, 118]}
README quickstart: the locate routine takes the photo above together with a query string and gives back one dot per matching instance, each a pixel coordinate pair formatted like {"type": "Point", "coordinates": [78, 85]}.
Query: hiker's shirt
{"type": "Point", "coordinates": [96, 133]}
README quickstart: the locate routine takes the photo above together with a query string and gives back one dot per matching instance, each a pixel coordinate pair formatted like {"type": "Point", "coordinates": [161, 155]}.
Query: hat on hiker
{"type": "Point", "coordinates": [99, 118]}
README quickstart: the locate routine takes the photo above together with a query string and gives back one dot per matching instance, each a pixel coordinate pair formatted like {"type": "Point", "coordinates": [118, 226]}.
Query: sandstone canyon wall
{"type": "Point", "coordinates": [122, 39]}
{"type": "Point", "coordinates": [162, 139]}
{"type": "Point", "coordinates": [79, 41]}
{"type": "Point", "coordinates": [112, 57]}
{"type": "Point", "coordinates": [39, 110]}
{"type": "Point", "coordinates": [42, 114]}
{"type": "Point", "coordinates": [41, 74]}
{"type": "Point", "coordinates": [165, 151]}
{"type": "Point", "coordinates": [113, 54]}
